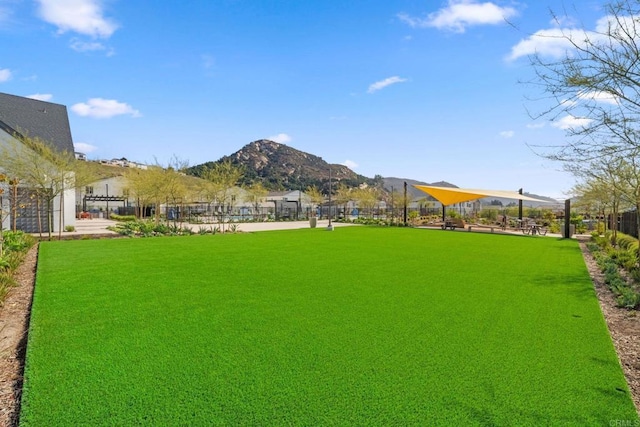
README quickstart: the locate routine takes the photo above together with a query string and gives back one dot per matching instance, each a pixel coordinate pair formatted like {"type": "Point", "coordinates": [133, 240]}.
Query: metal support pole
{"type": "Point", "coordinates": [405, 203]}
{"type": "Point", "coordinates": [520, 207]}
{"type": "Point", "coordinates": [567, 219]}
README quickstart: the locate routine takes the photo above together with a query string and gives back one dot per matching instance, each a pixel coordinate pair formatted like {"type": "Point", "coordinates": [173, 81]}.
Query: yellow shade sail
{"type": "Point", "coordinates": [449, 196]}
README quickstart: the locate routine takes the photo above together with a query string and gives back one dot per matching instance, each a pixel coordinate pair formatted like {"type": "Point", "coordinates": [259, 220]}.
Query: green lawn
{"type": "Point", "coordinates": [360, 326]}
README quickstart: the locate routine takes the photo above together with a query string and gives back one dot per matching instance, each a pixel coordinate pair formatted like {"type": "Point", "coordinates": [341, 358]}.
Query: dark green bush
{"type": "Point", "coordinates": [15, 247]}
{"type": "Point", "coordinates": [628, 298]}
{"type": "Point", "coordinates": [610, 261]}
{"type": "Point", "coordinates": [15, 241]}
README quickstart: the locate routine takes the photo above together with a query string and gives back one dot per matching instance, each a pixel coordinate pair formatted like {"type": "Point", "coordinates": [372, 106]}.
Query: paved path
{"type": "Point", "coordinates": [99, 226]}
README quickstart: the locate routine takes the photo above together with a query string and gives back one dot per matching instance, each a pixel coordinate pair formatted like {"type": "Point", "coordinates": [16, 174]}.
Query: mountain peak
{"type": "Point", "coordinates": [280, 167]}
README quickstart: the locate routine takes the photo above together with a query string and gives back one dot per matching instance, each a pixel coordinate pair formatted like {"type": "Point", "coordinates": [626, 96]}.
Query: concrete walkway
{"type": "Point", "coordinates": [99, 226]}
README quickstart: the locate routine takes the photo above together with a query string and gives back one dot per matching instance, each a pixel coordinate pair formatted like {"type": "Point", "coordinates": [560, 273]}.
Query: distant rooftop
{"type": "Point", "coordinates": [36, 119]}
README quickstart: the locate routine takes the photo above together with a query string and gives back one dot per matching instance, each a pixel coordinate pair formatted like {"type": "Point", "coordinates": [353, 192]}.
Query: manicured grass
{"type": "Point", "coordinates": [360, 326]}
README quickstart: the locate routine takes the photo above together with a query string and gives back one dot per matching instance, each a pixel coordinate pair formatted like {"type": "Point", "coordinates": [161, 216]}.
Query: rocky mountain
{"type": "Point", "coordinates": [280, 167]}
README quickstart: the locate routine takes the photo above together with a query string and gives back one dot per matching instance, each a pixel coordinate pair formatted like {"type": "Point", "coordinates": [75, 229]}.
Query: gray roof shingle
{"type": "Point", "coordinates": [36, 119]}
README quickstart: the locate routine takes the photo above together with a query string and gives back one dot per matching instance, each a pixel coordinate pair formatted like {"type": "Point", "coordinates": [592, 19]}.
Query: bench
{"type": "Point", "coordinates": [490, 227]}
{"type": "Point", "coordinates": [453, 223]}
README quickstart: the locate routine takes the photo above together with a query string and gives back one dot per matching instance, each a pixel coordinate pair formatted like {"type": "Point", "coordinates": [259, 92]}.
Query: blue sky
{"type": "Point", "coordinates": [426, 90]}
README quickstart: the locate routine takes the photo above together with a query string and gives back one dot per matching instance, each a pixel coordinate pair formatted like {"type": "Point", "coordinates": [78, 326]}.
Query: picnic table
{"type": "Point", "coordinates": [533, 229]}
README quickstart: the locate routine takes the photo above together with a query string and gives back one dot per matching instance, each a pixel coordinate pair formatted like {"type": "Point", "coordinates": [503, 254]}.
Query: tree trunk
{"type": "Point", "coordinates": [14, 207]}
{"type": "Point", "coordinates": [60, 220]}
{"type": "Point", "coordinates": [39, 215]}
{"type": "Point", "coordinates": [50, 217]}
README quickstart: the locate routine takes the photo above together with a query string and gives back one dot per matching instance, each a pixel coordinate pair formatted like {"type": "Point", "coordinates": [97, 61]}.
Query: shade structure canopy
{"type": "Point", "coordinates": [449, 196]}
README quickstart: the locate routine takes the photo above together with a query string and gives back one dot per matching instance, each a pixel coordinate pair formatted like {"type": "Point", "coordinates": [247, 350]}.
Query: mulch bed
{"type": "Point", "coordinates": [624, 326]}
{"type": "Point", "coordinates": [14, 322]}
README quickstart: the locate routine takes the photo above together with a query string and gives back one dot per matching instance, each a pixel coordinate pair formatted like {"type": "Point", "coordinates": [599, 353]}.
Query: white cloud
{"type": "Point", "coordinates": [384, 83]}
{"type": "Point", "coordinates": [5, 75]}
{"type": "Point", "coordinates": [100, 108]}
{"type": "Point", "coordinates": [80, 16]}
{"type": "Point", "coordinates": [603, 97]}
{"type": "Point", "coordinates": [84, 147]}
{"type": "Point", "coordinates": [281, 138]}
{"type": "Point", "coordinates": [571, 122]}
{"type": "Point", "coordinates": [82, 46]}
{"type": "Point", "coordinates": [561, 40]}
{"type": "Point", "coordinates": [507, 134]}
{"type": "Point", "coordinates": [550, 43]}
{"type": "Point", "coordinates": [41, 96]}
{"type": "Point", "coordinates": [535, 125]}
{"type": "Point", "coordinates": [460, 14]}
{"type": "Point", "coordinates": [350, 164]}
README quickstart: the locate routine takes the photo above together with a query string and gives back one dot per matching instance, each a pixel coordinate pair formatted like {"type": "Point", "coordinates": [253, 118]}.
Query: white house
{"type": "Point", "coordinates": [103, 196]}
{"type": "Point", "coordinates": [24, 117]}
{"type": "Point", "coordinates": [288, 204]}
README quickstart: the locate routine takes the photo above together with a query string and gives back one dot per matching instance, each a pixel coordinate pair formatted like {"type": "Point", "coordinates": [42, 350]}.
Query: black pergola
{"type": "Point", "coordinates": [107, 199]}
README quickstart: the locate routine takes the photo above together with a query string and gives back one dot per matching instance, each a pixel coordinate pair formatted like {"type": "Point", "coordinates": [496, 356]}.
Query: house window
{"type": "Point", "coordinates": [88, 190]}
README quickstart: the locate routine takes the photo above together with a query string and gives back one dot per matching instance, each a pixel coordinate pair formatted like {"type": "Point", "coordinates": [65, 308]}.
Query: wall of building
{"type": "Point", "coordinates": [64, 201]}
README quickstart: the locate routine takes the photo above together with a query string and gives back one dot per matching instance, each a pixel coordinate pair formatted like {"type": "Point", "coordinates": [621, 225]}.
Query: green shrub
{"type": "Point", "coordinates": [617, 285]}
{"type": "Point", "coordinates": [160, 228]}
{"type": "Point", "coordinates": [16, 241]}
{"type": "Point", "coordinates": [69, 228]}
{"type": "Point", "coordinates": [122, 218]}
{"type": "Point", "coordinates": [625, 241]}
{"type": "Point", "coordinates": [14, 259]}
{"type": "Point", "coordinates": [628, 298]}
{"type": "Point", "coordinates": [593, 247]}
{"type": "Point", "coordinates": [6, 282]}
{"type": "Point", "coordinates": [624, 258]}
{"type": "Point", "coordinates": [610, 273]}
{"type": "Point", "coordinates": [16, 245]}
{"type": "Point", "coordinates": [554, 227]}
{"type": "Point", "coordinates": [604, 241]}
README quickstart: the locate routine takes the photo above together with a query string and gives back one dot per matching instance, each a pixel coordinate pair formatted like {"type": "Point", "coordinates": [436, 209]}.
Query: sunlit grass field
{"type": "Point", "coordinates": [359, 326]}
